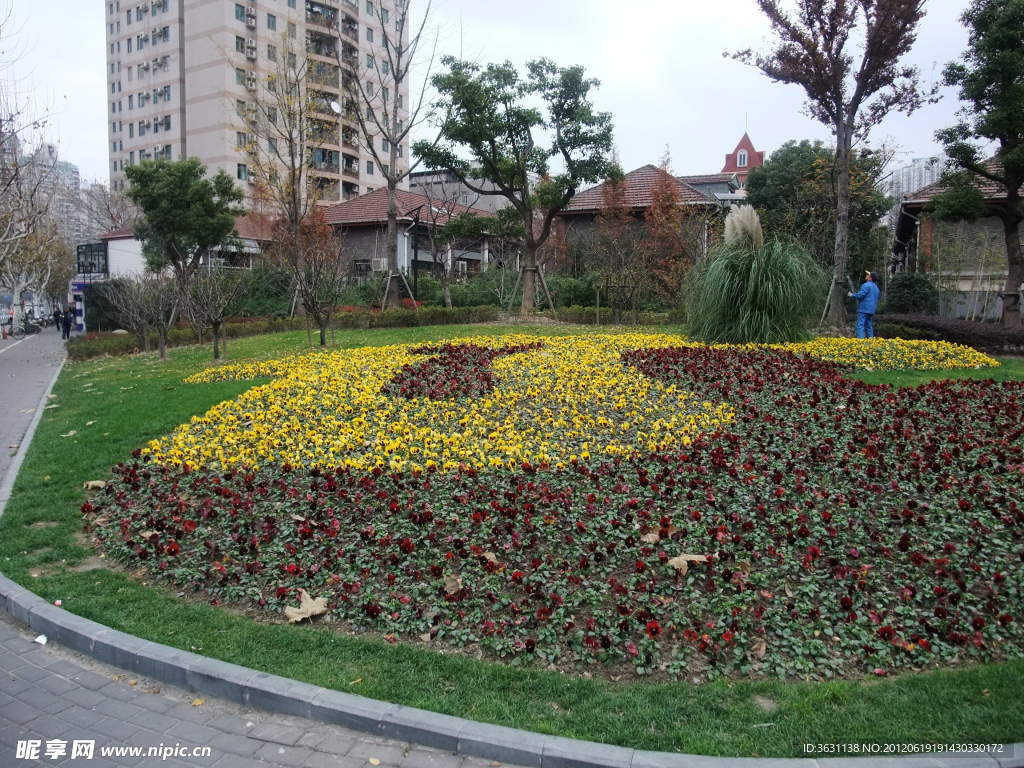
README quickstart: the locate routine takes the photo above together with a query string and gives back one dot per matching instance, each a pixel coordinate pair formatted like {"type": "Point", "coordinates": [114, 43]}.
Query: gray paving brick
{"type": "Point", "coordinates": [324, 760]}
{"type": "Point", "coordinates": [338, 742]}
{"type": "Point", "coordinates": [281, 755]}
{"type": "Point", "coordinates": [31, 673]}
{"type": "Point", "coordinates": [122, 710]}
{"type": "Point", "coordinates": [386, 753]}
{"type": "Point", "coordinates": [12, 685]}
{"type": "Point", "coordinates": [18, 712]}
{"type": "Point", "coordinates": [421, 758]}
{"type": "Point", "coordinates": [229, 724]}
{"type": "Point", "coordinates": [238, 761]}
{"type": "Point", "coordinates": [116, 729]}
{"type": "Point", "coordinates": [83, 697]}
{"type": "Point", "coordinates": [44, 701]}
{"type": "Point", "coordinates": [154, 702]}
{"type": "Point", "coordinates": [193, 732]}
{"type": "Point", "coordinates": [58, 685]}
{"type": "Point", "coordinates": [279, 734]}
{"type": "Point", "coordinates": [236, 744]}
{"type": "Point", "coordinates": [154, 721]}
{"type": "Point", "coordinates": [91, 680]}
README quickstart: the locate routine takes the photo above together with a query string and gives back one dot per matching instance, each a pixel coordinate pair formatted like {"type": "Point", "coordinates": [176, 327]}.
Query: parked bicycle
{"type": "Point", "coordinates": [25, 328]}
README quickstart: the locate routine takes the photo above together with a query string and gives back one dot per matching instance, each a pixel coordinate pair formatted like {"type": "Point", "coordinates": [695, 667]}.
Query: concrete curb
{"type": "Point", "coordinates": [457, 735]}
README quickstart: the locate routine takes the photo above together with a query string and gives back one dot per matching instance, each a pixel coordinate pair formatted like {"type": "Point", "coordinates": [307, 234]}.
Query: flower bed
{"type": "Point", "coordinates": [788, 521]}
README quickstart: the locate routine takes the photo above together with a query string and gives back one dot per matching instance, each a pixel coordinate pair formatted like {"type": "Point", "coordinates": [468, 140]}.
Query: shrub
{"type": "Point", "coordinates": [740, 294]}
{"type": "Point", "coordinates": [986, 337]}
{"type": "Point", "coordinates": [911, 293]}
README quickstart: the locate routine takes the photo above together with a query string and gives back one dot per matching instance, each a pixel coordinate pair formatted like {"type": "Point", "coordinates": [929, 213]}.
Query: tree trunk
{"type": "Point", "coordinates": [162, 336]}
{"type": "Point", "coordinates": [447, 293]}
{"type": "Point", "coordinates": [323, 334]}
{"type": "Point", "coordinates": [529, 272]}
{"type": "Point", "coordinates": [392, 291]}
{"type": "Point", "coordinates": [837, 302]}
{"type": "Point", "coordinates": [1014, 272]}
{"type": "Point", "coordinates": [215, 332]}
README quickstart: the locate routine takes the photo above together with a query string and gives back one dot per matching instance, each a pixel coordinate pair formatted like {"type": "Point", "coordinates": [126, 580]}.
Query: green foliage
{"type": "Point", "coordinates": [269, 292]}
{"type": "Point", "coordinates": [184, 214]}
{"type": "Point", "coordinates": [794, 193]}
{"type": "Point", "coordinates": [768, 295]}
{"type": "Point", "coordinates": [960, 199]}
{"type": "Point", "coordinates": [911, 293]}
{"type": "Point", "coordinates": [989, 77]}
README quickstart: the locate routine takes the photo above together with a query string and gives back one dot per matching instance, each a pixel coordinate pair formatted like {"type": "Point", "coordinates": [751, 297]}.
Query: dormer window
{"type": "Point", "coordinates": [741, 158]}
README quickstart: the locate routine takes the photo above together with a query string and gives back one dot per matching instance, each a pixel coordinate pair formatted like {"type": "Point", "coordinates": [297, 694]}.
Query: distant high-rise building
{"type": "Point", "coordinates": [921, 172]}
{"type": "Point", "coordinates": [60, 183]}
{"type": "Point", "coordinates": [182, 77]}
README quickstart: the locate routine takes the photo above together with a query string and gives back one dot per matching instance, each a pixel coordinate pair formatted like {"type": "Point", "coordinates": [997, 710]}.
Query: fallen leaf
{"type": "Point", "coordinates": [425, 637]}
{"type": "Point", "coordinates": [357, 681]}
{"type": "Point", "coordinates": [133, 682]}
{"type": "Point", "coordinates": [743, 566]}
{"type": "Point", "coordinates": [374, 761]}
{"type": "Point", "coordinates": [758, 649]}
{"type": "Point", "coordinates": [682, 562]}
{"type": "Point", "coordinates": [72, 433]}
{"type": "Point", "coordinates": [27, 410]}
{"type": "Point", "coordinates": [89, 423]}
{"type": "Point", "coordinates": [490, 557]}
{"type": "Point", "coordinates": [391, 639]}
{"type": "Point", "coordinates": [789, 591]}
{"type": "Point", "coordinates": [308, 608]}
{"type": "Point", "coordinates": [986, 692]}
{"type": "Point", "coordinates": [54, 405]}
{"type": "Point", "coordinates": [650, 538]}
{"type": "Point", "coordinates": [94, 485]}
{"type": "Point", "coordinates": [197, 702]}
{"type": "Point", "coordinates": [452, 584]}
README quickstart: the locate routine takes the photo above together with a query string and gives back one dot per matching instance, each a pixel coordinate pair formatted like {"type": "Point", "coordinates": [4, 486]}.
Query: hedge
{"type": "Point", "coordinates": [987, 337]}
{"type": "Point", "coordinates": [589, 316]}
{"type": "Point", "coordinates": [92, 345]}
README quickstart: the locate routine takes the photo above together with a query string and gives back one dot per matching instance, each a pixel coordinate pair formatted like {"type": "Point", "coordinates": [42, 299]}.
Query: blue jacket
{"type": "Point", "coordinates": [867, 298]}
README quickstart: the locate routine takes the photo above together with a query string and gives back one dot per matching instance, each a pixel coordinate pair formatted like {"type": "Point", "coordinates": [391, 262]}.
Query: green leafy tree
{"type": "Point", "coordinates": [990, 76]}
{"type": "Point", "coordinates": [795, 194]}
{"type": "Point", "coordinates": [184, 214]}
{"type": "Point", "coordinates": [847, 92]}
{"type": "Point", "coordinates": [911, 293]}
{"type": "Point", "coordinates": [502, 128]}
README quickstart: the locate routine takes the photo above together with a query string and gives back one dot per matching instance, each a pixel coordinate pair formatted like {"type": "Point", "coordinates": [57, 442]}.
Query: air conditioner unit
{"type": "Point", "coordinates": [250, 48]}
{"type": "Point", "coordinates": [250, 17]}
{"type": "Point", "coordinates": [379, 265]}
{"type": "Point", "coordinates": [250, 82]}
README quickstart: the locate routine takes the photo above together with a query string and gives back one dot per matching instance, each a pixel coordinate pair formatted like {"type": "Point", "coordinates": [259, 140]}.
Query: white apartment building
{"type": "Point", "coordinates": [182, 73]}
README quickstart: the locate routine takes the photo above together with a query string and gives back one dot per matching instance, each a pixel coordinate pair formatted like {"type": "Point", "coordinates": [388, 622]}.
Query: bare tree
{"type": "Point", "coordinates": [448, 229]}
{"type": "Point", "coordinates": [813, 50]}
{"type": "Point", "coordinates": [378, 105]}
{"type": "Point", "coordinates": [127, 305]}
{"type": "Point", "coordinates": [312, 255]}
{"type": "Point", "coordinates": [159, 297]}
{"type": "Point", "coordinates": [105, 209]}
{"type": "Point", "coordinates": [213, 295]}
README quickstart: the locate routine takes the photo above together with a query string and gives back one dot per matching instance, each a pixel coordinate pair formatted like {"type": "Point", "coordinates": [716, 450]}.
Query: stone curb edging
{"type": "Point", "coordinates": [453, 734]}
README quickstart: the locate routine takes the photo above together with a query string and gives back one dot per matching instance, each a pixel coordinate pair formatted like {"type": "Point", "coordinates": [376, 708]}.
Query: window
{"type": "Point", "coordinates": [130, 104]}
{"type": "Point", "coordinates": [272, 52]}
{"type": "Point", "coordinates": [398, 149]}
{"type": "Point", "coordinates": [128, 19]}
{"type": "Point", "coordinates": [271, 83]}
{"type": "Point", "coordinates": [129, 45]}
{"type": "Point", "coordinates": [400, 100]}
{"type": "Point", "coordinates": [291, 3]}
{"type": "Point", "coordinates": [385, 67]}
{"type": "Point", "coordinates": [369, 167]}
{"type": "Point", "coordinates": [271, 21]}
{"type": "Point", "coordinates": [386, 169]}
{"type": "Point", "coordinates": [741, 158]}
{"type": "Point", "coordinates": [242, 171]}
{"type": "Point", "coordinates": [384, 15]}
{"type": "Point", "coordinates": [369, 61]}
{"type": "Point", "coordinates": [131, 158]}
{"type": "Point", "coordinates": [369, 35]}
{"type": "Point", "coordinates": [241, 140]}
{"type": "Point", "coordinates": [240, 76]}
{"type": "Point", "coordinates": [291, 60]}
{"type": "Point", "coordinates": [239, 44]}
{"type": "Point", "coordinates": [241, 109]}
{"type": "Point", "coordinates": [272, 146]}
{"type": "Point", "coordinates": [131, 130]}
{"type": "Point", "coordinates": [385, 145]}
{"type": "Point", "coordinates": [272, 115]}
{"type": "Point", "coordinates": [239, 12]}
{"type": "Point", "coordinates": [291, 29]}
{"type": "Point", "coordinates": [167, 151]}
{"type": "Point", "coordinates": [384, 94]}
{"type": "Point", "coordinates": [369, 190]}
{"type": "Point", "coordinates": [369, 7]}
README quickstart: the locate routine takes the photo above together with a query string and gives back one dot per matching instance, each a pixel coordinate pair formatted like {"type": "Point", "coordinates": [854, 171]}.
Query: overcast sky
{"type": "Point", "coordinates": [660, 63]}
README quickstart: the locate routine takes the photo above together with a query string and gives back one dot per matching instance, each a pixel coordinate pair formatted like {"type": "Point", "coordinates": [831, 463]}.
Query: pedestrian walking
{"type": "Point", "coordinates": [867, 304]}
{"type": "Point", "coordinates": [58, 318]}
{"type": "Point", "coordinates": [65, 323]}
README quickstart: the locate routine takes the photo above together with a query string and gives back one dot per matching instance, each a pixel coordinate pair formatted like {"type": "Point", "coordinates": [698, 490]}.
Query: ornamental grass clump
{"type": "Point", "coordinates": [750, 290]}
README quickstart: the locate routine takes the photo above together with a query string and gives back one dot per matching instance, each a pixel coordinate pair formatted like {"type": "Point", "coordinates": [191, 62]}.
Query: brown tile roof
{"type": "Point", "coordinates": [122, 233]}
{"type": "Point", "coordinates": [708, 178]}
{"type": "Point", "coordinates": [639, 188]}
{"type": "Point", "coordinates": [989, 189]}
{"type": "Point", "coordinates": [372, 208]}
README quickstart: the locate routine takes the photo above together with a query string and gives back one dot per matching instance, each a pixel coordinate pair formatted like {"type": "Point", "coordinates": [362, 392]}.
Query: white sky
{"type": "Point", "coordinates": [663, 76]}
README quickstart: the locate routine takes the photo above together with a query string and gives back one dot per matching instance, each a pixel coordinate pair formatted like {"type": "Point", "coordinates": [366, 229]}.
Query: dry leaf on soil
{"type": "Point", "coordinates": [452, 584]}
{"type": "Point", "coordinates": [682, 562]}
{"type": "Point", "coordinates": [650, 538]}
{"type": "Point", "coordinates": [308, 608]}
{"type": "Point", "coordinates": [94, 485]}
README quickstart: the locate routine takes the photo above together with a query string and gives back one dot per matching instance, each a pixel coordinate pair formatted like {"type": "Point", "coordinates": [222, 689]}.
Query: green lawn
{"type": "Point", "coordinates": [117, 404]}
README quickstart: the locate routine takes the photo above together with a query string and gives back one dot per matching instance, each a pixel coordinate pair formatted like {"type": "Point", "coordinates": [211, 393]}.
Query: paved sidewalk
{"type": "Point", "coordinates": [48, 693]}
{"type": "Point", "coordinates": [26, 368]}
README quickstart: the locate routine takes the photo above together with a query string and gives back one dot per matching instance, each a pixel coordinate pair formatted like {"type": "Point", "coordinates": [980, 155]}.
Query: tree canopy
{"type": "Point", "coordinates": [184, 213]}
{"type": "Point", "coordinates": [513, 131]}
{"type": "Point", "coordinates": [990, 76]}
{"type": "Point", "coordinates": [795, 194]}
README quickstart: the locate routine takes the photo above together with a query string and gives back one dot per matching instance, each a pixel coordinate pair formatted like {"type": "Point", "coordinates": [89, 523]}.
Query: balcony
{"type": "Point", "coordinates": [349, 190]}
{"type": "Point", "coordinates": [321, 45]}
{"type": "Point", "coordinates": [350, 166]}
{"type": "Point", "coordinates": [320, 14]}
